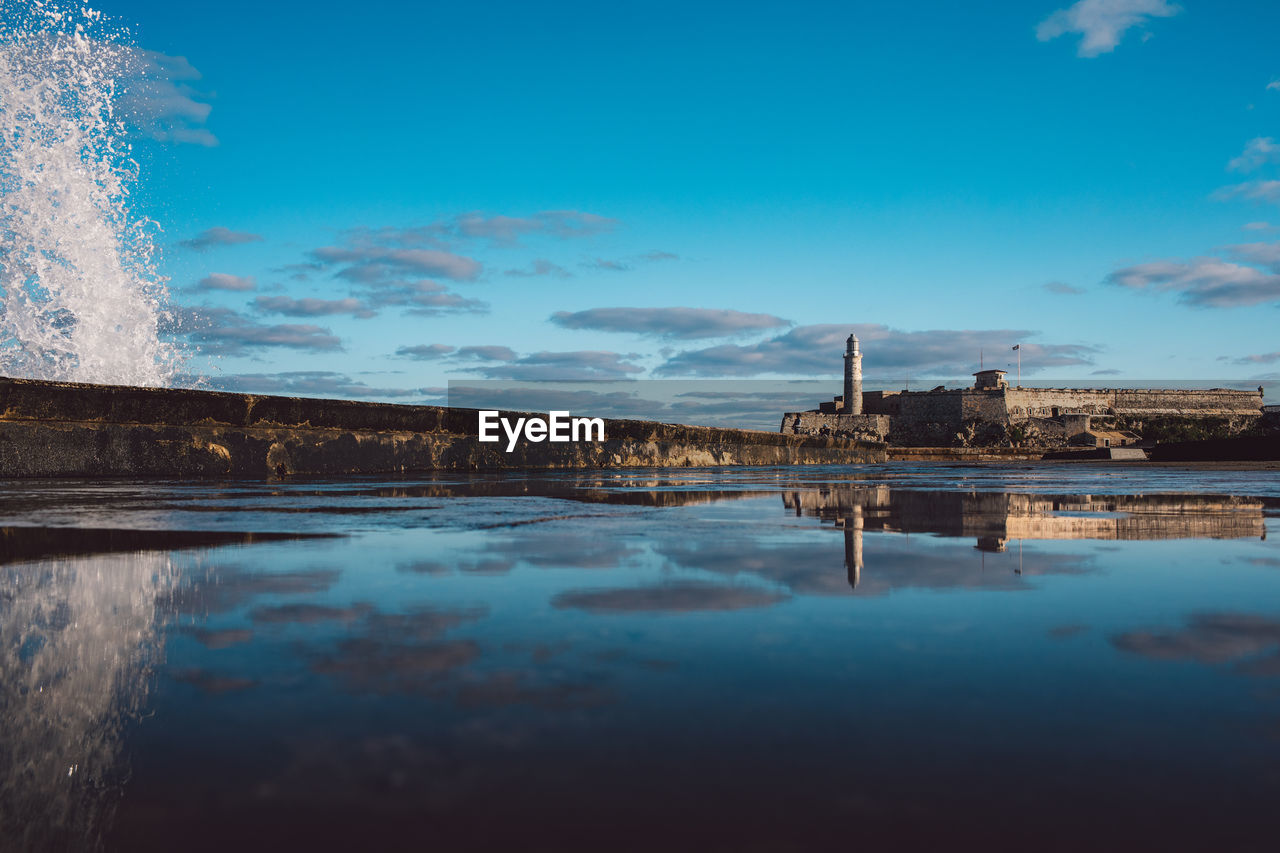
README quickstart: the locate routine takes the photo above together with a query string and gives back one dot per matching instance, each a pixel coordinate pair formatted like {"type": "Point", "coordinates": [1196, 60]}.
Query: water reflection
{"type": "Point", "coordinates": [82, 614]}
{"type": "Point", "coordinates": [995, 519]}
{"type": "Point", "coordinates": [683, 658]}
{"type": "Point", "coordinates": [78, 638]}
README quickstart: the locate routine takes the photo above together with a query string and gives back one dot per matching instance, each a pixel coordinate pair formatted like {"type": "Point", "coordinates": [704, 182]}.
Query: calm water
{"type": "Point", "coordinates": [759, 659]}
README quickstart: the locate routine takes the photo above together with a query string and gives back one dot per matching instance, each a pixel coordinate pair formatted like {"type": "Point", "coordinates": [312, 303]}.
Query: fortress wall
{"type": "Point", "coordinates": [942, 407]}
{"type": "Point", "coordinates": [1187, 403]}
{"type": "Point", "coordinates": [56, 429]}
{"type": "Point", "coordinates": [866, 427]}
{"type": "Point", "coordinates": [986, 406]}
{"type": "Point", "coordinates": [1026, 403]}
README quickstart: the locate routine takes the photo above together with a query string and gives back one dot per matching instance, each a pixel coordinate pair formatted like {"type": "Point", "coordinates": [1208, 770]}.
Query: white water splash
{"type": "Point", "coordinates": [80, 299]}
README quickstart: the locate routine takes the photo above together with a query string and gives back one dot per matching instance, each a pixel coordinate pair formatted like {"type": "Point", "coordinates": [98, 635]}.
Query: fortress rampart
{"type": "Point", "coordinates": [992, 412]}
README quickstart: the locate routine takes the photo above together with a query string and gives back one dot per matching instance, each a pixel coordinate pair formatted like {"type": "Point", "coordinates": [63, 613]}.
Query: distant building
{"type": "Point", "coordinates": [992, 412]}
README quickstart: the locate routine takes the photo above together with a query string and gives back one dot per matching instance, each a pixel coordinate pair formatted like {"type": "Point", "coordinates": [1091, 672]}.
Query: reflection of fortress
{"type": "Point", "coordinates": [993, 519]}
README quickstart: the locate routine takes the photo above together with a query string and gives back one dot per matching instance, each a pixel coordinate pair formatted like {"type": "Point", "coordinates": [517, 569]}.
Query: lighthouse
{"type": "Point", "coordinates": [852, 377]}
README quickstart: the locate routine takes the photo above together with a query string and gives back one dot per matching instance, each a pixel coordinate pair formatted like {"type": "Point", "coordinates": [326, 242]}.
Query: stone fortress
{"type": "Point", "coordinates": [993, 413]}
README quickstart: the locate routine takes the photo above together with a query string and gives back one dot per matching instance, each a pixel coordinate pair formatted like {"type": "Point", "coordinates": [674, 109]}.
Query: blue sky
{"type": "Point", "coordinates": [394, 195]}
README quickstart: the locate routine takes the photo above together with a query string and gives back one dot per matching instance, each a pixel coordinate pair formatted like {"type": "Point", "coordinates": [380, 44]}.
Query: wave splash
{"type": "Point", "coordinates": [80, 297]}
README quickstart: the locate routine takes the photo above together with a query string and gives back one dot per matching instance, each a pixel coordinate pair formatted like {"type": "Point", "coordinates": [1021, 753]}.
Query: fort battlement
{"type": "Point", "coordinates": [992, 410]}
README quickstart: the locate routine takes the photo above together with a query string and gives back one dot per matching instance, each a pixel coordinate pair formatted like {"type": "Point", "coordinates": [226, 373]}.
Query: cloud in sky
{"type": "Point", "coordinates": [629, 263]}
{"type": "Point", "coordinates": [1209, 282]}
{"type": "Point", "coordinates": [423, 298]}
{"type": "Point", "coordinates": [1062, 288]}
{"type": "Point", "coordinates": [1260, 358]}
{"type": "Point", "coordinates": [1101, 24]}
{"type": "Point", "coordinates": [540, 266]}
{"type": "Point", "coordinates": [1258, 226]}
{"type": "Point", "coordinates": [498, 229]}
{"type": "Point", "coordinates": [1257, 153]}
{"type": "Point", "coordinates": [226, 281]}
{"type": "Point", "coordinates": [425, 352]}
{"type": "Point", "coordinates": [219, 236]}
{"type": "Point", "coordinates": [1250, 190]}
{"type": "Point", "coordinates": [486, 353]}
{"type": "Point", "coordinates": [310, 382]}
{"type": "Point", "coordinates": [159, 100]}
{"type": "Point", "coordinates": [507, 230]}
{"type": "Point", "coordinates": [223, 331]}
{"type": "Point", "coordinates": [1273, 86]}
{"type": "Point", "coordinates": [1263, 254]}
{"type": "Point", "coordinates": [312, 307]}
{"type": "Point", "coordinates": [669, 323]}
{"type": "Point", "coordinates": [565, 367]}
{"type": "Point", "coordinates": [369, 263]}
{"type": "Point", "coordinates": [816, 351]}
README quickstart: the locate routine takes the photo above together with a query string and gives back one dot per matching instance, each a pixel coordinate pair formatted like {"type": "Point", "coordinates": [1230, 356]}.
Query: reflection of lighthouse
{"type": "Point", "coordinates": [852, 524]}
{"type": "Point", "coordinates": [77, 639]}
{"type": "Point", "coordinates": [852, 377]}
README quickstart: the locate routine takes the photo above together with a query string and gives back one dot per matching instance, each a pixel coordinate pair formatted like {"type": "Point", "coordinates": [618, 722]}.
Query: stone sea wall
{"type": "Point", "coordinates": [50, 429]}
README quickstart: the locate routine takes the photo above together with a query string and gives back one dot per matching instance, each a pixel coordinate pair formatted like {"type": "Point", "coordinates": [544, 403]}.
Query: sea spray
{"type": "Point", "coordinates": [80, 298]}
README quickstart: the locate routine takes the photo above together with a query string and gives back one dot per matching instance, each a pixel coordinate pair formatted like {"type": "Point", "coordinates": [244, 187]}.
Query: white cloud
{"type": "Point", "coordinates": [671, 323]}
{"type": "Point", "coordinates": [1257, 153]}
{"type": "Point", "coordinates": [219, 236]}
{"type": "Point", "coordinates": [226, 281]}
{"type": "Point", "coordinates": [159, 99]}
{"type": "Point", "coordinates": [312, 307]}
{"type": "Point", "coordinates": [1101, 24]}
{"type": "Point", "coordinates": [816, 351]}
{"type": "Point", "coordinates": [1204, 282]}
{"type": "Point", "coordinates": [1253, 190]}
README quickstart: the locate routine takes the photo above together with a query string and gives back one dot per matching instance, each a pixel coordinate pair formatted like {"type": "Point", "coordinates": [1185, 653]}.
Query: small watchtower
{"type": "Point", "coordinates": [990, 380]}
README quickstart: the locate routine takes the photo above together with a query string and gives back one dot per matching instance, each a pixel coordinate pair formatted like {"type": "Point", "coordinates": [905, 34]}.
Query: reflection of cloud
{"type": "Point", "coordinates": [1211, 638]}
{"type": "Point", "coordinates": [230, 590]}
{"type": "Point", "coordinates": [208, 682]}
{"type": "Point", "coordinates": [467, 565]}
{"type": "Point", "coordinates": [889, 563]}
{"type": "Point", "coordinates": [222, 639]}
{"type": "Point", "coordinates": [686, 596]}
{"type": "Point", "coordinates": [379, 666]}
{"type": "Point", "coordinates": [401, 652]}
{"type": "Point", "coordinates": [556, 548]}
{"type": "Point", "coordinates": [306, 614]}
{"type": "Point", "coordinates": [503, 689]}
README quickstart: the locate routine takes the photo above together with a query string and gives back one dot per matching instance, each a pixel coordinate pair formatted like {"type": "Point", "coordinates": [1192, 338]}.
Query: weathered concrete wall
{"type": "Point", "coordinates": [1040, 403]}
{"type": "Point", "coordinates": [61, 429]}
{"type": "Point", "coordinates": [971, 417]}
{"type": "Point", "coordinates": [862, 427]}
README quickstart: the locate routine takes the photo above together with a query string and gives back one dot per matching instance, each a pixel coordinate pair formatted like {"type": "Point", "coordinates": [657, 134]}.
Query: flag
{"type": "Point", "coordinates": [1017, 346]}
